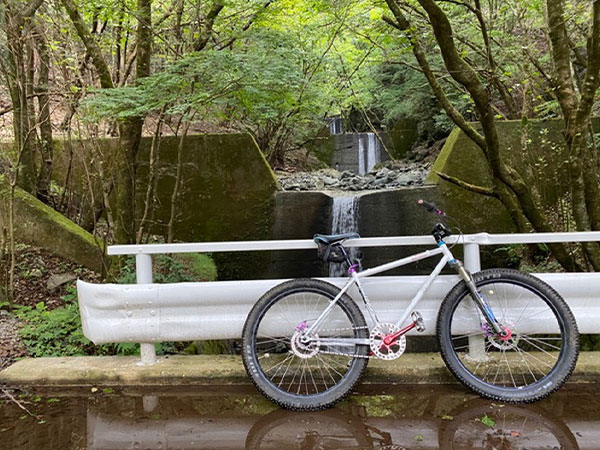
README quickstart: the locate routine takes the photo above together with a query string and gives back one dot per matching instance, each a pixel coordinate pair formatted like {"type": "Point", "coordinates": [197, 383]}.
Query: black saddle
{"type": "Point", "coordinates": [329, 239]}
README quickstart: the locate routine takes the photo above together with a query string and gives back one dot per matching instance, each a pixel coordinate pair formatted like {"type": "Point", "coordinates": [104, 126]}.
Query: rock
{"type": "Point", "coordinates": [401, 173]}
{"type": "Point", "coordinates": [58, 280]}
{"type": "Point", "coordinates": [382, 173]}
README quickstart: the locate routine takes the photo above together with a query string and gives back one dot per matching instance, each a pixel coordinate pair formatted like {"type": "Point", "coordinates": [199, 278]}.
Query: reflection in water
{"type": "Point", "coordinates": [331, 429]}
{"type": "Point", "coordinates": [480, 424]}
{"type": "Point", "coordinates": [410, 417]}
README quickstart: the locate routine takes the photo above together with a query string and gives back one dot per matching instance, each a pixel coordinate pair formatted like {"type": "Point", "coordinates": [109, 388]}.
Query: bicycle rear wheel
{"type": "Point", "coordinates": [536, 356]}
{"type": "Point", "coordinates": [294, 370]}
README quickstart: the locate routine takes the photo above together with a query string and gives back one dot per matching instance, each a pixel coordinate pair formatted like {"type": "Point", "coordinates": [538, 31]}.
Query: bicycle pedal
{"type": "Point", "coordinates": [418, 321]}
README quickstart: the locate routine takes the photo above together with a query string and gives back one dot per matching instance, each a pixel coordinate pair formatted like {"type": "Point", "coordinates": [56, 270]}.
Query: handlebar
{"type": "Point", "coordinates": [430, 207]}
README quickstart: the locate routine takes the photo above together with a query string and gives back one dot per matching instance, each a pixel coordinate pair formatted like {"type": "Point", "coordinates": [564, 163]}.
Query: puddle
{"type": "Point", "coordinates": [402, 417]}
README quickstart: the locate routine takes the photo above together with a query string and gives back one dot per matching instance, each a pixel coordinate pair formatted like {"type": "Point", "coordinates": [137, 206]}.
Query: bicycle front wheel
{"type": "Point", "coordinates": [295, 368]}
{"type": "Point", "coordinates": [531, 360]}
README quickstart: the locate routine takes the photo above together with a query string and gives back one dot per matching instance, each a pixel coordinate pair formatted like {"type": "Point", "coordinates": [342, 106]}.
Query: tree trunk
{"type": "Point", "coordinates": [46, 144]}
{"type": "Point", "coordinates": [131, 133]}
{"type": "Point", "coordinates": [512, 190]}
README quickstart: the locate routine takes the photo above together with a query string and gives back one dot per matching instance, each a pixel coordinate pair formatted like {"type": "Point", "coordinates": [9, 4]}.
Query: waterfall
{"type": "Point", "coordinates": [344, 219]}
{"type": "Point", "coordinates": [369, 152]}
{"type": "Point", "coordinates": [335, 125]}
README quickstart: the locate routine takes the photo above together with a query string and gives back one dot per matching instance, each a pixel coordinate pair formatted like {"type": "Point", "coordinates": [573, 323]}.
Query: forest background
{"type": "Point", "coordinates": [84, 70]}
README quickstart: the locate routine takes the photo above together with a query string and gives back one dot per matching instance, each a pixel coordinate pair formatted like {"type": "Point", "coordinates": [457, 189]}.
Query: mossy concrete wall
{"type": "Point", "coordinates": [226, 192]}
{"type": "Point", "coordinates": [396, 213]}
{"type": "Point", "coordinates": [398, 141]}
{"type": "Point", "coordinates": [299, 215]}
{"type": "Point", "coordinates": [40, 225]}
{"type": "Point", "coordinates": [401, 137]}
{"type": "Point", "coordinates": [534, 148]}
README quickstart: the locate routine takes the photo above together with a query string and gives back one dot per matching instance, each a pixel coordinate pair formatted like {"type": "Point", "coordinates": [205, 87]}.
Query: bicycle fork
{"type": "Point", "coordinates": [479, 300]}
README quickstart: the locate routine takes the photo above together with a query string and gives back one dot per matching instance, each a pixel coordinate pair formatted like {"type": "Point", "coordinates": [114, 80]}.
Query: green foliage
{"type": "Point", "coordinates": [58, 332]}
{"type": "Point", "coordinates": [54, 332]}
{"type": "Point", "coordinates": [403, 92]}
{"type": "Point", "coordinates": [535, 258]}
{"type": "Point", "coordinates": [175, 268]}
{"type": "Point", "coordinates": [488, 421]}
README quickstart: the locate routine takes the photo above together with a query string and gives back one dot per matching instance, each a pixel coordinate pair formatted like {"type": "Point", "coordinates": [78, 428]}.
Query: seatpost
{"type": "Point", "coordinates": [346, 256]}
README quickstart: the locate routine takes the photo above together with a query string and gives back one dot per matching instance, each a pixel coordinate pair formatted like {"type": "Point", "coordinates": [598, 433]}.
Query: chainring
{"type": "Point", "coordinates": [382, 350]}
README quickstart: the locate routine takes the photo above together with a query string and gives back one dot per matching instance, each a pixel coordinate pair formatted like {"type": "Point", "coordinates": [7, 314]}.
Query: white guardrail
{"type": "Point", "coordinates": [147, 312]}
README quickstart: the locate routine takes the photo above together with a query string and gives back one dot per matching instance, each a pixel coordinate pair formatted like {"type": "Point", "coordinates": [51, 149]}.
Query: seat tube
{"type": "Point", "coordinates": [473, 264]}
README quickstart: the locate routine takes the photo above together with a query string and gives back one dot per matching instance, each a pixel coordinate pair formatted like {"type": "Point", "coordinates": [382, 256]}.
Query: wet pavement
{"type": "Point", "coordinates": [375, 417]}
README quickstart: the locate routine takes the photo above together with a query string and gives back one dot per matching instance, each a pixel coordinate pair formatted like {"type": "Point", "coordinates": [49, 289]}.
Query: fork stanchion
{"type": "Point", "coordinates": [473, 264]}
{"type": "Point", "coordinates": [143, 273]}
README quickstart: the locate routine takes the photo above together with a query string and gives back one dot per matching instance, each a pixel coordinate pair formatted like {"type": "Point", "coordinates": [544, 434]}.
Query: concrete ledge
{"type": "Point", "coordinates": [86, 371]}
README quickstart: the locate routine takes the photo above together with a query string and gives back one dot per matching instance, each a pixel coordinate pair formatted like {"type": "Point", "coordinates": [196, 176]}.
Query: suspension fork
{"type": "Point", "coordinates": [478, 299]}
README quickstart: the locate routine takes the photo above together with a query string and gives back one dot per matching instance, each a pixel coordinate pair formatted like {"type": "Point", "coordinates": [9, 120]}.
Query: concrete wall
{"type": "Point", "coordinates": [299, 215]}
{"type": "Point", "coordinates": [40, 225]}
{"type": "Point", "coordinates": [226, 193]}
{"type": "Point", "coordinates": [342, 149]}
{"type": "Point", "coordinates": [395, 213]}
{"type": "Point", "coordinates": [534, 148]}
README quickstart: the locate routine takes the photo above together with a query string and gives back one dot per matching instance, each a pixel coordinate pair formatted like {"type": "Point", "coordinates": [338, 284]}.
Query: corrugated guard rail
{"type": "Point", "coordinates": [149, 313]}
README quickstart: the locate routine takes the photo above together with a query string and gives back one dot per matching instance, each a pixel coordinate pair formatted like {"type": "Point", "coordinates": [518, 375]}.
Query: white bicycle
{"type": "Point", "coordinates": [306, 343]}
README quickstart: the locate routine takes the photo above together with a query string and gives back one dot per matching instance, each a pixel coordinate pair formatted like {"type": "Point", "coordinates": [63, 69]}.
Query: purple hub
{"type": "Point", "coordinates": [486, 330]}
{"type": "Point", "coordinates": [301, 327]}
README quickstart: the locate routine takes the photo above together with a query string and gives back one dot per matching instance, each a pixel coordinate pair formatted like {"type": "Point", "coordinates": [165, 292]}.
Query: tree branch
{"type": "Point", "coordinates": [467, 186]}
{"type": "Point", "coordinates": [209, 23]}
{"type": "Point", "coordinates": [90, 44]}
{"type": "Point", "coordinates": [31, 8]}
{"type": "Point", "coordinates": [402, 24]}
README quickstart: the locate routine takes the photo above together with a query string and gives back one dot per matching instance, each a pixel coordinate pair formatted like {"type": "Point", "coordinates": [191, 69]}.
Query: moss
{"type": "Point", "coordinates": [226, 192]}
{"type": "Point", "coordinates": [201, 267]}
{"type": "Point", "coordinates": [440, 161]}
{"type": "Point", "coordinates": [40, 225]}
{"type": "Point", "coordinates": [534, 148]}
{"type": "Point", "coordinates": [322, 147]}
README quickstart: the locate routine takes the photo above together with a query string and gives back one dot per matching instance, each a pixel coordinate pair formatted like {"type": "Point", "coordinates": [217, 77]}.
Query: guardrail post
{"type": "Point", "coordinates": [143, 272]}
{"type": "Point", "coordinates": [473, 264]}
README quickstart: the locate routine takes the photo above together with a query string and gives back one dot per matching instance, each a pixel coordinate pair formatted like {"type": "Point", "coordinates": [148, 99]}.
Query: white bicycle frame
{"type": "Point", "coordinates": [355, 279]}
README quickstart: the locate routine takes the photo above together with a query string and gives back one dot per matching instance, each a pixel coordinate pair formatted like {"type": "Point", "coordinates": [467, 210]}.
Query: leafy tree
{"type": "Point", "coordinates": [482, 83]}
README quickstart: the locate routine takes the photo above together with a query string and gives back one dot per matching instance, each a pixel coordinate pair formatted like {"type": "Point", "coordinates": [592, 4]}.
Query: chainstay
{"type": "Point", "coordinates": [348, 355]}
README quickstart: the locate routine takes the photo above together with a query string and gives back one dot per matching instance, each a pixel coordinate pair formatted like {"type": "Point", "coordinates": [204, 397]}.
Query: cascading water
{"type": "Point", "coordinates": [344, 219]}
{"type": "Point", "coordinates": [335, 126]}
{"type": "Point", "coordinates": [369, 152]}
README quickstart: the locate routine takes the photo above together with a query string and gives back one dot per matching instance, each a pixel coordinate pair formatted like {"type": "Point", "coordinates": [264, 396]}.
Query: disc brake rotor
{"type": "Point", "coordinates": [391, 349]}
{"type": "Point", "coordinates": [304, 346]}
{"type": "Point", "coordinates": [500, 343]}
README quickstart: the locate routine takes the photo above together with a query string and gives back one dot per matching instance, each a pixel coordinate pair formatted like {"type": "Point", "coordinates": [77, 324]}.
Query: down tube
{"type": "Point", "coordinates": [417, 298]}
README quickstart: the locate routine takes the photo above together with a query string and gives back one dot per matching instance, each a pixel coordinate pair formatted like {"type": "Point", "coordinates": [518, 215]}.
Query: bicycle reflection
{"type": "Point", "coordinates": [477, 424]}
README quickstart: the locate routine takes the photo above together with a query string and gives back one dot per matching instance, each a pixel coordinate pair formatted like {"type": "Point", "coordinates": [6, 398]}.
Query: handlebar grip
{"type": "Point", "coordinates": [430, 207]}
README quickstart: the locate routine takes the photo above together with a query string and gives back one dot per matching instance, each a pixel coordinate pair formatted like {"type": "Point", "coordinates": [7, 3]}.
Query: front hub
{"type": "Point", "coordinates": [506, 340]}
